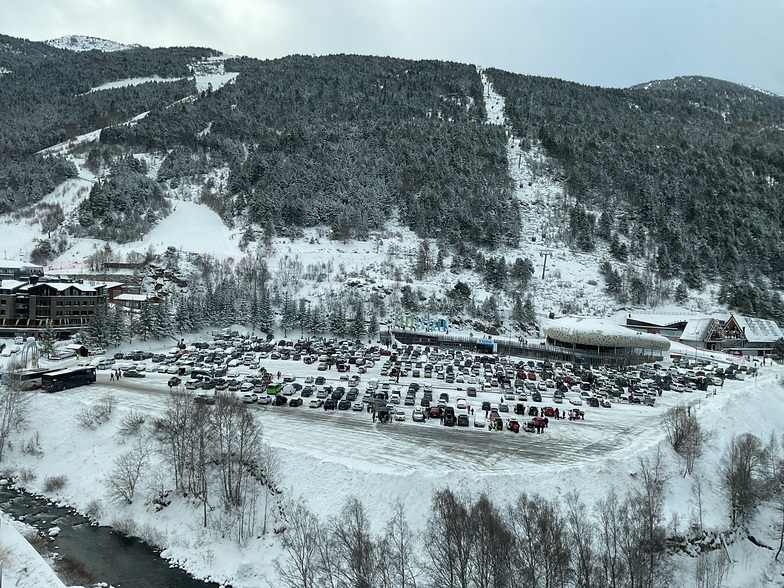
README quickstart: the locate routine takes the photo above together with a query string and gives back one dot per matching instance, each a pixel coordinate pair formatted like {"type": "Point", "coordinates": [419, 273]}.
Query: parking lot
{"type": "Point", "coordinates": [602, 430]}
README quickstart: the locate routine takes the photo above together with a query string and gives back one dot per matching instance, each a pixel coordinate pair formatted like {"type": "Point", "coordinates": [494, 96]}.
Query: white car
{"type": "Point", "coordinates": [575, 400]}
{"type": "Point", "coordinates": [461, 403]}
{"type": "Point", "coordinates": [309, 380]}
{"type": "Point", "coordinates": [358, 406]}
{"type": "Point", "coordinates": [400, 415]}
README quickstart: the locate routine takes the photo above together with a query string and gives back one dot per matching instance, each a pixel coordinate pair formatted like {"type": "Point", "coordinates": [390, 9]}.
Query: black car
{"type": "Point", "coordinates": [295, 402]}
{"type": "Point", "coordinates": [279, 400]}
{"type": "Point", "coordinates": [536, 396]}
{"type": "Point", "coordinates": [133, 374]}
{"type": "Point", "coordinates": [329, 404]}
{"type": "Point", "coordinates": [344, 405]}
{"type": "Point", "coordinates": [462, 420]}
{"type": "Point", "coordinates": [174, 381]}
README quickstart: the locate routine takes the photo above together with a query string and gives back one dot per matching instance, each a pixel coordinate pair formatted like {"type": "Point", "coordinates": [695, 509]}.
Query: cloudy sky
{"type": "Point", "coordinates": [603, 42]}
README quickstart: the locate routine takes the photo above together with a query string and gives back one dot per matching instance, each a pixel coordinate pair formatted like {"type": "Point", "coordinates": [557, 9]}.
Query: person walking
{"type": "Point", "coordinates": [111, 375]}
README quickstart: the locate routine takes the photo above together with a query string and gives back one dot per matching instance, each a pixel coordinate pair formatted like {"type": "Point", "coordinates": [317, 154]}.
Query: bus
{"type": "Point", "coordinates": [27, 379]}
{"type": "Point", "coordinates": [67, 378]}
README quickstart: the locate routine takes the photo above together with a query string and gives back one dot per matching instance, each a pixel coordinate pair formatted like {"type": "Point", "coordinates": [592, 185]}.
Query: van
{"type": "Point", "coordinates": [105, 363]}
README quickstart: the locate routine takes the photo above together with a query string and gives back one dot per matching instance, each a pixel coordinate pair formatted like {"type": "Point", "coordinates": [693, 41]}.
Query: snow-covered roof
{"type": "Point", "coordinates": [757, 330]}
{"type": "Point", "coordinates": [19, 265]}
{"type": "Point", "coordinates": [62, 286]}
{"type": "Point", "coordinates": [602, 333]}
{"type": "Point", "coordinates": [696, 329]}
{"type": "Point", "coordinates": [11, 284]}
{"type": "Point", "coordinates": [108, 285]}
{"type": "Point", "coordinates": [666, 319]}
{"type": "Point", "coordinates": [131, 297]}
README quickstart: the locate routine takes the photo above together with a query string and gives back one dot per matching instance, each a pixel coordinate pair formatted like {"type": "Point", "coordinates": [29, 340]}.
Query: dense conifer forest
{"type": "Point", "coordinates": [681, 175]}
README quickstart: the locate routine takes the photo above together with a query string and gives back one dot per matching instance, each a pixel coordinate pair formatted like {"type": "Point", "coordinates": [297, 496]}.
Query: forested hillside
{"type": "Point", "coordinates": [683, 176]}
{"type": "Point", "coordinates": [45, 99]}
{"type": "Point", "coordinates": [686, 173]}
{"type": "Point", "coordinates": [346, 141]}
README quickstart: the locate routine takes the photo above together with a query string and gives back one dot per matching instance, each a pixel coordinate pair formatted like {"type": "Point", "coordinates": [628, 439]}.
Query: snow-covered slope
{"type": "Point", "coordinates": [84, 43]}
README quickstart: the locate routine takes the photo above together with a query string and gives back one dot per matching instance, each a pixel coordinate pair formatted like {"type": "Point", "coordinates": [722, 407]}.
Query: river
{"type": "Point", "coordinates": [98, 554]}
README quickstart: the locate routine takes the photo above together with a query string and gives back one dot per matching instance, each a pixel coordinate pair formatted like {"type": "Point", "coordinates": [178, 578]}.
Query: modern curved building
{"type": "Point", "coordinates": [601, 336]}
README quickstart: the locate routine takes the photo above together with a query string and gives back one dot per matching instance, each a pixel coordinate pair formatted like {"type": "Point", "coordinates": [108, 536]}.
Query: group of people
{"type": "Point", "coordinates": [115, 374]}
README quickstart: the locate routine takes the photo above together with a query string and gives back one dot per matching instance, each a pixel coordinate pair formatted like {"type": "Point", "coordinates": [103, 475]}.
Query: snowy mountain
{"type": "Point", "coordinates": [84, 43]}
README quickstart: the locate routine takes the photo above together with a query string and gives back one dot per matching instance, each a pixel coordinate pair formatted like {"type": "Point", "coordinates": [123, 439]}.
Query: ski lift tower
{"type": "Point", "coordinates": [546, 253]}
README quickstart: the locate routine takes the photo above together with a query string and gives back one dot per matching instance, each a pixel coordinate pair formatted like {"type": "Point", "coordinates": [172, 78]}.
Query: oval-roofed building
{"type": "Point", "coordinates": [601, 335]}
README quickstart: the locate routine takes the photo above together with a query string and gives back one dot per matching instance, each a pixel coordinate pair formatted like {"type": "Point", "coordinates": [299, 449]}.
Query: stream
{"type": "Point", "coordinates": [104, 554]}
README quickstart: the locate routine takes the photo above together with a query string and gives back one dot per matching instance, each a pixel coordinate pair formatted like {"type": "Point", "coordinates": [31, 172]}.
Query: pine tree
{"type": "Point", "coordinates": [518, 312]}
{"type": "Point", "coordinates": [358, 327]}
{"type": "Point", "coordinates": [163, 321]}
{"type": "Point", "coordinates": [337, 320]}
{"type": "Point", "coordinates": [529, 312]}
{"type": "Point", "coordinates": [145, 324]}
{"type": "Point", "coordinates": [47, 339]}
{"type": "Point", "coordinates": [97, 332]}
{"type": "Point", "coordinates": [266, 320]}
{"type": "Point", "coordinates": [681, 293]}
{"type": "Point", "coordinates": [373, 327]}
{"type": "Point", "coordinates": [118, 328]}
{"type": "Point", "coordinates": [288, 313]}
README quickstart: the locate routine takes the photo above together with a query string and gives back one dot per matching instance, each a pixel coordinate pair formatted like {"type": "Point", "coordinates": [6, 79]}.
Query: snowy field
{"type": "Point", "coordinates": [328, 456]}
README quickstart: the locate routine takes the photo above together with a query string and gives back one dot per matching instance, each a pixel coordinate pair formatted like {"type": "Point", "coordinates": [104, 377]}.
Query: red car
{"type": "Point", "coordinates": [549, 411]}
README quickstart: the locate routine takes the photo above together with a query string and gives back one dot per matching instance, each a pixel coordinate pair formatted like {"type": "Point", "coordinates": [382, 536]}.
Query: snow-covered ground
{"type": "Point", "coordinates": [21, 564]}
{"type": "Point", "coordinates": [327, 457]}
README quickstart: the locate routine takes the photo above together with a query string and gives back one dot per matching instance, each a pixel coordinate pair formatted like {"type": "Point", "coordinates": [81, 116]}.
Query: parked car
{"type": "Point", "coordinates": [174, 381]}
{"type": "Point", "coordinates": [295, 402]}
{"type": "Point", "coordinates": [133, 374]}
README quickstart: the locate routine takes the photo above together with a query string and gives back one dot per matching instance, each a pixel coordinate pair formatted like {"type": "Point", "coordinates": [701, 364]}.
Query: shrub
{"type": "Point", "coordinates": [27, 475]}
{"type": "Point", "coordinates": [54, 483]}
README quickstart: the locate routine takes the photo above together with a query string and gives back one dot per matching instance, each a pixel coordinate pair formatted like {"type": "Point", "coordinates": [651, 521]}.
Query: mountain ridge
{"type": "Point", "coordinates": [347, 142]}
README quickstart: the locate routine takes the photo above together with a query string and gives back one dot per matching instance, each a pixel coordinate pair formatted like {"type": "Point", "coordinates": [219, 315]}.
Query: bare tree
{"type": "Point", "coordinates": [711, 569]}
{"type": "Point", "coordinates": [492, 552]}
{"type": "Point", "coordinates": [647, 534]}
{"type": "Point", "coordinates": [298, 567]}
{"type": "Point", "coordinates": [684, 434]}
{"type": "Point", "coordinates": [610, 541]}
{"type": "Point", "coordinates": [270, 474]}
{"type": "Point", "coordinates": [171, 432]}
{"type": "Point", "coordinates": [449, 540]}
{"type": "Point", "coordinates": [127, 472]}
{"type": "Point", "coordinates": [13, 404]}
{"type": "Point", "coordinates": [236, 446]}
{"type": "Point", "coordinates": [740, 476]}
{"type": "Point", "coordinates": [540, 550]}
{"type": "Point", "coordinates": [354, 547]}
{"type": "Point", "coordinates": [697, 493]}
{"type": "Point", "coordinates": [581, 534]}
{"type": "Point", "coordinates": [399, 564]}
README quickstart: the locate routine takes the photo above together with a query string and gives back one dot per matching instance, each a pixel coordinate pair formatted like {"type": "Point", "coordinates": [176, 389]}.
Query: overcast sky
{"type": "Point", "coordinates": [614, 43]}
